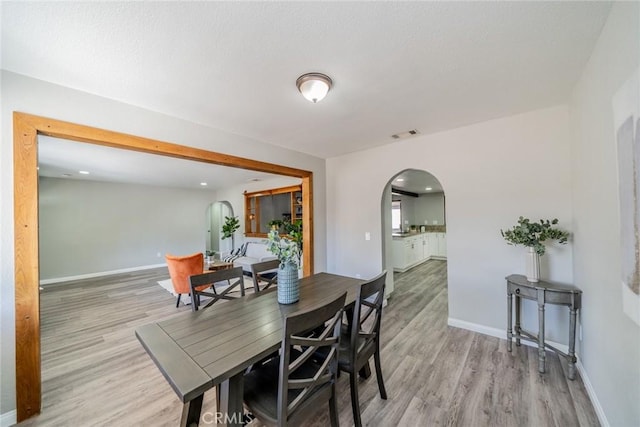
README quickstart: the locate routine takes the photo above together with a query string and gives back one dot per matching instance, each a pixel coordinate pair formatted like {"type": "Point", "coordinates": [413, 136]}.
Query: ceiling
{"type": "Point", "coordinates": [416, 181]}
{"type": "Point", "coordinates": [396, 66]}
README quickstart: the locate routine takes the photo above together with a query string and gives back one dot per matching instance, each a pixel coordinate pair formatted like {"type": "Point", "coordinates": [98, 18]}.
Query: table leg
{"type": "Point", "coordinates": [231, 412]}
{"type": "Point", "coordinates": [509, 320]}
{"type": "Point", "coordinates": [191, 412]}
{"type": "Point", "coordinates": [517, 326]}
{"type": "Point", "coordinates": [541, 355]}
{"type": "Point", "coordinates": [572, 343]}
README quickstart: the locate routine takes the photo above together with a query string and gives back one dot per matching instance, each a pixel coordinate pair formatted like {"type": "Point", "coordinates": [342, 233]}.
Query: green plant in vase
{"type": "Point", "coordinates": [534, 235]}
{"type": "Point", "coordinates": [285, 249]}
{"type": "Point", "coordinates": [288, 253]}
{"type": "Point", "coordinates": [230, 226]}
{"type": "Point", "coordinates": [275, 224]}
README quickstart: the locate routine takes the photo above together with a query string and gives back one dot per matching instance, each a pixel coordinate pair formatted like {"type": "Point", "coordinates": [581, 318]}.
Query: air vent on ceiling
{"type": "Point", "coordinates": [407, 134]}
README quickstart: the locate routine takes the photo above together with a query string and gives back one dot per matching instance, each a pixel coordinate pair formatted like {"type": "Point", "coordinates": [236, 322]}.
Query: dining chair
{"type": "Point", "coordinates": [288, 389]}
{"type": "Point", "coordinates": [361, 339]}
{"type": "Point", "coordinates": [181, 268]}
{"type": "Point", "coordinates": [205, 284]}
{"type": "Point", "coordinates": [264, 271]}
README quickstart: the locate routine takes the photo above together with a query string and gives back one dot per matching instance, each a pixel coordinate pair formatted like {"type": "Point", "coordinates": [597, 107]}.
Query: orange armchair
{"type": "Point", "coordinates": [181, 268]}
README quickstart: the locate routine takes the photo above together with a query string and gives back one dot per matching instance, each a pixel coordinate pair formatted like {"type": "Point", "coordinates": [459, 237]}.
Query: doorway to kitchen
{"type": "Point", "coordinates": [414, 227]}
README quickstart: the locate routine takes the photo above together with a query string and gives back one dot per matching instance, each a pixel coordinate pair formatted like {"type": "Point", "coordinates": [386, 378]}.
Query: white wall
{"type": "Point", "coordinates": [429, 209]}
{"type": "Point", "coordinates": [489, 183]}
{"type": "Point", "coordinates": [407, 207]}
{"type": "Point", "coordinates": [89, 227]}
{"type": "Point", "coordinates": [20, 93]}
{"type": "Point", "coordinates": [417, 210]}
{"type": "Point", "coordinates": [610, 348]}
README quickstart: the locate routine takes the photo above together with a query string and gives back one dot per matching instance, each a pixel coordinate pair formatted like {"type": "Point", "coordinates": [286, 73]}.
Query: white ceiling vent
{"type": "Point", "coordinates": [407, 134]}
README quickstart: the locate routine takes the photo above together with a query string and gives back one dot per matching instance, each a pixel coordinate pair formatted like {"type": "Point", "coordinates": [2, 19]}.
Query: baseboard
{"type": "Point", "coordinates": [502, 334]}
{"type": "Point", "coordinates": [8, 418]}
{"type": "Point", "coordinates": [100, 274]}
{"type": "Point", "coordinates": [499, 333]}
{"type": "Point", "coordinates": [592, 396]}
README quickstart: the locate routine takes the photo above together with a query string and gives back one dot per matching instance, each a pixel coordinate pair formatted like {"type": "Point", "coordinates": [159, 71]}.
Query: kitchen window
{"type": "Point", "coordinates": [396, 216]}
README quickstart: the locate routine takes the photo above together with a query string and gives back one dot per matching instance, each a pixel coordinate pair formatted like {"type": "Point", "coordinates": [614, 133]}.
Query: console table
{"type": "Point", "coordinates": [543, 293]}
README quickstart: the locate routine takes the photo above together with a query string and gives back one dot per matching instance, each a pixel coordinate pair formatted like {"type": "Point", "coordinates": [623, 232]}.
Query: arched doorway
{"type": "Point", "coordinates": [216, 212]}
{"type": "Point", "coordinates": [413, 212]}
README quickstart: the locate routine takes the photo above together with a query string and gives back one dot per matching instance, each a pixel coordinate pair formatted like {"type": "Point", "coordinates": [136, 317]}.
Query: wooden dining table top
{"type": "Point", "coordinates": [196, 351]}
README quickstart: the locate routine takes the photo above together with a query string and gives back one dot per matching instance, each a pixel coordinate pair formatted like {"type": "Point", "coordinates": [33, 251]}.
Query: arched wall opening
{"type": "Point", "coordinates": [216, 213]}
{"type": "Point", "coordinates": [413, 212]}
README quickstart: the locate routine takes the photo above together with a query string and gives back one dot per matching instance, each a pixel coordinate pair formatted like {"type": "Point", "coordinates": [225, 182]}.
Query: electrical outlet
{"type": "Point", "coordinates": [159, 255]}
{"type": "Point", "coordinates": [367, 236]}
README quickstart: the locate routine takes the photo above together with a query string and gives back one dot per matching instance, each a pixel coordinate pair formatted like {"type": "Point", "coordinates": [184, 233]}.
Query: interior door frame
{"type": "Point", "coordinates": [26, 128]}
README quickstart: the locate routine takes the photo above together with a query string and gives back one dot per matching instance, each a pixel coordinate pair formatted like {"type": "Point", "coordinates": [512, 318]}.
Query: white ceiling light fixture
{"type": "Point", "coordinates": [428, 189]}
{"type": "Point", "coordinates": [314, 86]}
{"type": "Point", "coordinates": [83, 172]}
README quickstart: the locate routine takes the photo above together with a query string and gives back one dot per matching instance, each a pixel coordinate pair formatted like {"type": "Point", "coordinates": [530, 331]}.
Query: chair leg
{"type": "Point", "coordinates": [333, 407]}
{"type": "Point", "coordinates": [355, 402]}
{"type": "Point", "coordinates": [383, 391]}
{"type": "Point", "coordinates": [178, 300]}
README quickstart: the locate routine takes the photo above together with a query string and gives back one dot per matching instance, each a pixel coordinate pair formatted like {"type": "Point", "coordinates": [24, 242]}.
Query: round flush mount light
{"type": "Point", "coordinates": [314, 86]}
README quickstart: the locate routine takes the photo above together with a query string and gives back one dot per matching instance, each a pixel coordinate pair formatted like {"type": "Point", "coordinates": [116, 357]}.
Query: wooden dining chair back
{"type": "Point", "coordinates": [363, 340]}
{"type": "Point", "coordinates": [181, 268]}
{"type": "Point", "coordinates": [207, 285]}
{"type": "Point", "coordinates": [265, 271]}
{"type": "Point", "coordinates": [290, 388]}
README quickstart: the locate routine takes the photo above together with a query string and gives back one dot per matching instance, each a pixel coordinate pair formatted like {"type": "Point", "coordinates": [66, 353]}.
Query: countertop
{"type": "Point", "coordinates": [409, 234]}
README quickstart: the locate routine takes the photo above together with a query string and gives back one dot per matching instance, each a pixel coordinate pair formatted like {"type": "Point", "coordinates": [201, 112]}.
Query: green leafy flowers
{"type": "Point", "coordinates": [533, 234]}
{"type": "Point", "coordinates": [286, 250]}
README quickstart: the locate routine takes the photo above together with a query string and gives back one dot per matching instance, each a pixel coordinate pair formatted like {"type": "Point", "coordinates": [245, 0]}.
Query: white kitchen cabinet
{"type": "Point", "coordinates": [409, 251]}
{"type": "Point", "coordinates": [442, 245]}
{"type": "Point", "coordinates": [437, 245]}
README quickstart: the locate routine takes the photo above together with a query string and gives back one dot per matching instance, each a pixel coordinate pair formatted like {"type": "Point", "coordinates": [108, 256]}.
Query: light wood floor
{"type": "Point", "coordinates": [95, 373]}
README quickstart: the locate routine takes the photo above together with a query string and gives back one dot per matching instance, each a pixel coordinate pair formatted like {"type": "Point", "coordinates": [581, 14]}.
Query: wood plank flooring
{"type": "Point", "coordinates": [95, 372]}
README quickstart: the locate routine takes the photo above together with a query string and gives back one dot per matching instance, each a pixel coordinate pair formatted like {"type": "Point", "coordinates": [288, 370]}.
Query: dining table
{"type": "Point", "coordinates": [212, 348]}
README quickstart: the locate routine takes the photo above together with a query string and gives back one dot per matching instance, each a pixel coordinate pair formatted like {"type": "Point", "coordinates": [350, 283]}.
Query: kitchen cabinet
{"type": "Point", "coordinates": [414, 249]}
{"type": "Point", "coordinates": [437, 245]}
{"type": "Point", "coordinates": [409, 251]}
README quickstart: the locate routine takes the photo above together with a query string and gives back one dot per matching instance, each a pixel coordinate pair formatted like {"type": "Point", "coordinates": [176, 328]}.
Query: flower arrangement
{"type": "Point", "coordinates": [533, 234]}
{"type": "Point", "coordinates": [286, 250]}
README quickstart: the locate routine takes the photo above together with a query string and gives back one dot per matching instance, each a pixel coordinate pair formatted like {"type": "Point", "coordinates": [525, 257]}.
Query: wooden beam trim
{"type": "Point", "coordinates": [75, 132]}
{"type": "Point", "coordinates": [26, 127]}
{"type": "Point", "coordinates": [307, 226]}
{"type": "Point", "coordinates": [26, 277]}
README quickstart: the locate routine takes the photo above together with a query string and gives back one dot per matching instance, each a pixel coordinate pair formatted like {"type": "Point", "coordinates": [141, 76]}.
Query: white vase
{"type": "Point", "coordinates": [288, 284]}
{"type": "Point", "coordinates": [533, 265]}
